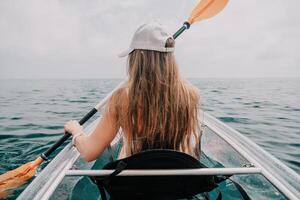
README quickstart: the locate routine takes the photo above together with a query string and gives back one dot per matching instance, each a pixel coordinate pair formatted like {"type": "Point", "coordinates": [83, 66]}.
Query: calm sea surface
{"type": "Point", "coordinates": [33, 112]}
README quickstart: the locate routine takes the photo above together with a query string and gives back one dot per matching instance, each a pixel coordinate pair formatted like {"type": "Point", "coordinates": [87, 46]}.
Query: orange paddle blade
{"type": "Point", "coordinates": [17, 177]}
{"type": "Point", "coordinates": [207, 9]}
{"type": "Point", "coordinates": [4, 194]}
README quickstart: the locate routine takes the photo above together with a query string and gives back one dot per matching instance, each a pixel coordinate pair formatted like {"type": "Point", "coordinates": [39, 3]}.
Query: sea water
{"type": "Point", "coordinates": [33, 112]}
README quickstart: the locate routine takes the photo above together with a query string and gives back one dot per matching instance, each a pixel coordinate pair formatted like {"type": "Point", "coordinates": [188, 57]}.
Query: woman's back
{"type": "Point", "coordinates": [156, 108]}
{"type": "Point", "coordinates": [161, 125]}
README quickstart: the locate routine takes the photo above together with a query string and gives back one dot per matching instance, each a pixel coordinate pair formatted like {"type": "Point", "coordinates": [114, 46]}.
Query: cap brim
{"type": "Point", "coordinates": [126, 52]}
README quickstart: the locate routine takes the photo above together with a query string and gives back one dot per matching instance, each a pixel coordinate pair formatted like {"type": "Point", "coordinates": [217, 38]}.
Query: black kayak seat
{"type": "Point", "coordinates": [155, 187]}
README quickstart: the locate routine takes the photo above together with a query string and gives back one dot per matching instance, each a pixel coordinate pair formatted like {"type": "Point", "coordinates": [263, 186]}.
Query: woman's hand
{"type": "Point", "coordinates": [73, 127]}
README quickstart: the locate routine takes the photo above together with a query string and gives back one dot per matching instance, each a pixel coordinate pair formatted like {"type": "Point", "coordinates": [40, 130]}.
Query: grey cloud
{"type": "Point", "coordinates": [81, 39]}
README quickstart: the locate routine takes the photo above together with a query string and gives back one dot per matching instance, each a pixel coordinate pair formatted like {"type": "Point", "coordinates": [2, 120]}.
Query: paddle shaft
{"type": "Point", "coordinates": [185, 26]}
{"type": "Point", "coordinates": [67, 135]}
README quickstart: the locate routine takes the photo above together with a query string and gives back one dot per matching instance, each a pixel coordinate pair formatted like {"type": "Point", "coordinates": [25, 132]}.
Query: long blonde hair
{"type": "Point", "coordinates": [157, 109]}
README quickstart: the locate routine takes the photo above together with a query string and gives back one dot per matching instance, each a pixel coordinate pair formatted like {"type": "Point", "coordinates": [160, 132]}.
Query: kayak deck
{"type": "Point", "coordinates": [225, 150]}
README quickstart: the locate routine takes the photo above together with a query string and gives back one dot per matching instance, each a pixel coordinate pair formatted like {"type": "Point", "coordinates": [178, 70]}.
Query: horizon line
{"type": "Point", "coordinates": [121, 78]}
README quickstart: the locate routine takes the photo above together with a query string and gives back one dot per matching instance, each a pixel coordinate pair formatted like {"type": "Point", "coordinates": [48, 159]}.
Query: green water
{"type": "Point", "coordinates": [33, 113]}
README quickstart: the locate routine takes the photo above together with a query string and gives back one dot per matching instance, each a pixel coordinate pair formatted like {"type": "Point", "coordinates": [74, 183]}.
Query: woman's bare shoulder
{"type": "Point", "coordinates": [116, 104]}
{"type": "Point", "coordinates": [118, 97]}
{"type": "Point", "coordinates": [120, 92]}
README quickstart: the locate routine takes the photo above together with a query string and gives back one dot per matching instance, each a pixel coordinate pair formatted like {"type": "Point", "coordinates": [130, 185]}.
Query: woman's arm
{"type": "Point", "coordinates": [92, 146]}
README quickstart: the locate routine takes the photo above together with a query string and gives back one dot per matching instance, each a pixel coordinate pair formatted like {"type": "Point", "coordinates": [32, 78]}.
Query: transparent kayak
{"type": "Point", "coordinates": [224, 150]}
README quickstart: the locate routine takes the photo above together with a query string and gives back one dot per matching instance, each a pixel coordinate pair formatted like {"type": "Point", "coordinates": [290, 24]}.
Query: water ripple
{"type": "Point", "coordinates": [266, 111]}
{"type": "Point", "coordinates": [234, 120]}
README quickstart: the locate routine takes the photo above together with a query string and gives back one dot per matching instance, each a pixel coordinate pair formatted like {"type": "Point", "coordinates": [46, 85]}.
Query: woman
{"type": "Point", "coordinates": [155, 109]}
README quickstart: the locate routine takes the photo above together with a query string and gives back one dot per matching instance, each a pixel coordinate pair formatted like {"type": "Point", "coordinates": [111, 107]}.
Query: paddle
{"type": "Point", "coordinates": [19, 176]}
{"type": "Point", "coordinates": [12, 179]}
{"type": "Point", "coordinates": [204, 10]}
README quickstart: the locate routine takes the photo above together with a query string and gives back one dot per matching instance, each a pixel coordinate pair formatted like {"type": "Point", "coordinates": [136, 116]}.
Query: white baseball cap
{"type": "Point", "coordinates": [149, 36]}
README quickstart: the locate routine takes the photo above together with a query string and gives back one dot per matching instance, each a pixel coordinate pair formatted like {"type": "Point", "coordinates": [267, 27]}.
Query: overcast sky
{"type": "Point", "coordinates": [82, 38]}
